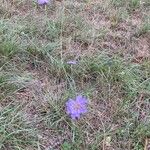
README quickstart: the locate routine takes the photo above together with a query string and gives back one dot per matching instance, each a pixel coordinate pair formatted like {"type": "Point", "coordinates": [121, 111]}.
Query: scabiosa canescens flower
{"type": "Point", "coordinates": [76, 107]}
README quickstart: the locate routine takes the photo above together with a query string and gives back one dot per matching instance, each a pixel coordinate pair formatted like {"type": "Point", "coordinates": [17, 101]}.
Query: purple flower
{"type": "Point", "coordinates": [76, 107]}
{"type": "Point", "coordinates": [42, 2]}
{"type": "Point", "coordinates": [72, 62]}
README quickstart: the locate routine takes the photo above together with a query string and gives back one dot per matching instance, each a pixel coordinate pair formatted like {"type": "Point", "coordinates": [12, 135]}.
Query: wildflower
{"type": "Point", "coordinates": [76, 107]}
{"type": "Point", "coordinates": [43, 2]}
{"type": "Point", "coordinates": [72, 62]}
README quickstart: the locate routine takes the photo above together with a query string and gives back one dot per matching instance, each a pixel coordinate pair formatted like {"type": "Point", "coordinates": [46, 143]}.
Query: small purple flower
{"type": "Point", "coordinates": [76, 107]}
{"type": "Point", "coordinates": [72, 62]}
{"type": "Point", "coordinates": [42, 2]}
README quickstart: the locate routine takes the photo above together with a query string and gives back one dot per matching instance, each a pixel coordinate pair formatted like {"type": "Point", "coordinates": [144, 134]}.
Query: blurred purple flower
{"type": "Point", "coordinates": [72, 62]}
{"type": "Point", "coordinates": [76, 107]}
{"type": "Point", "coordinates": [43, 2]}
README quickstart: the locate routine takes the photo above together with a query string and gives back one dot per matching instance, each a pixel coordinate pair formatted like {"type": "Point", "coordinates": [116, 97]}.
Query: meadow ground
{"type": "Point", "coordinates": [109, 40]}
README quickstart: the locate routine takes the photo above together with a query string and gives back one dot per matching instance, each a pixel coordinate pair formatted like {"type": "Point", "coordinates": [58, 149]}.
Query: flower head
{"type": "Point", "coordinates": [76, 107]}
{"type": "Point", "coordinates": [72, 62]}
{"type": "Point", "coordinates": [42, 2]}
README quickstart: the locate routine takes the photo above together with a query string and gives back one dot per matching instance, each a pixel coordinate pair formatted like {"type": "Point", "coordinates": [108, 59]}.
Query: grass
{"type": "Point", "coordinates": [15, 133]}
{"type": "Point", "coordinates": [110, 42]}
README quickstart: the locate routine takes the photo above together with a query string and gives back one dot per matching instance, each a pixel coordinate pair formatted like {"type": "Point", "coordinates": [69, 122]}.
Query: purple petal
{"type": "Point", "coordinates": [72, 62]}
{"type": "Point", "coordinates": [69, 104]}
{"type": "Point", "coordinates": [42, 2]}
{"type": "Point", "coordinates": [73, 116]}
{"type": "Point", "coordinates": [80, 99]}
{"type": "Point", "coordinates": [83, 110]}
{"type": "Point", "coordinates": [76, 115]}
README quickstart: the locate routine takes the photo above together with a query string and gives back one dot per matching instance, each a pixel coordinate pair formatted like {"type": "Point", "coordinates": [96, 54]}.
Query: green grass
{"type": "Point", "coordinates": [15, 133]}
{"type": "Point", "coordinates": [36, 81]}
